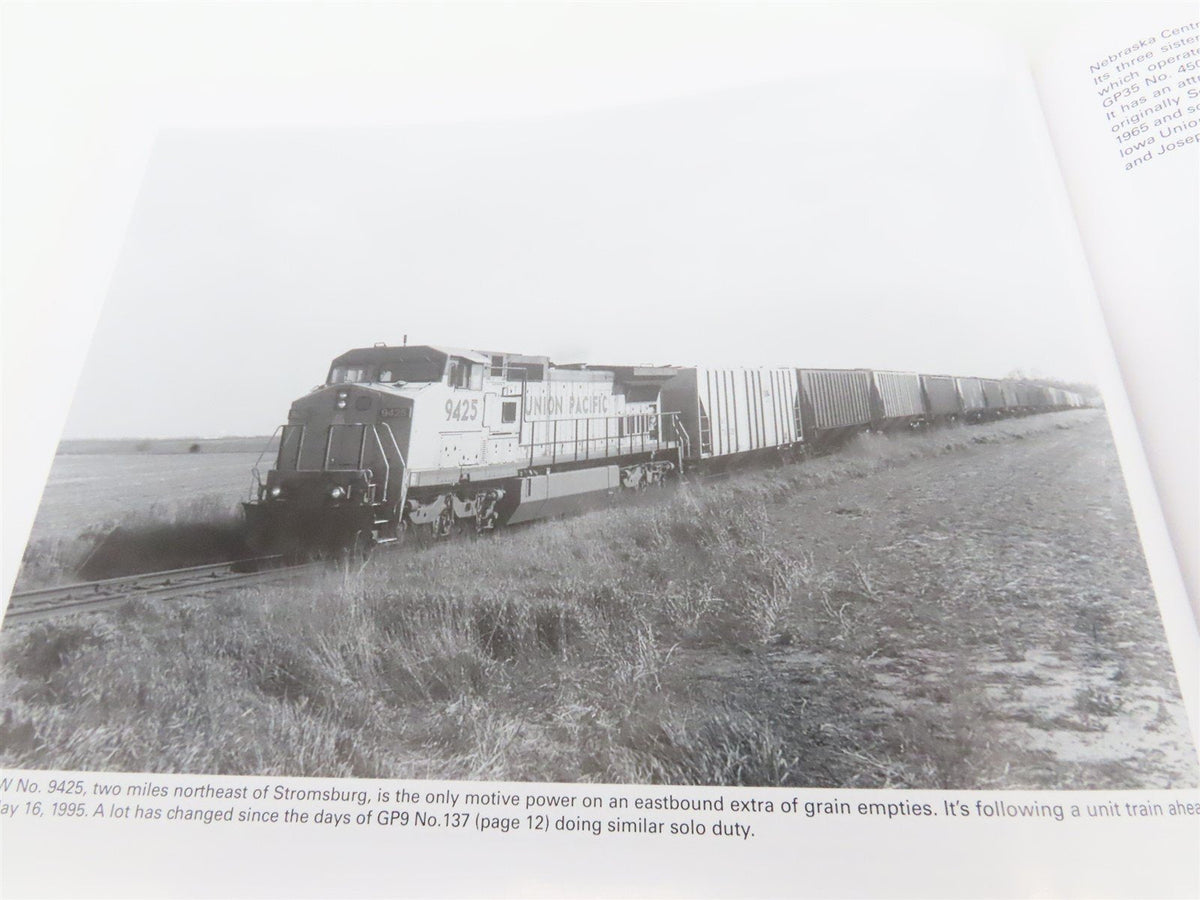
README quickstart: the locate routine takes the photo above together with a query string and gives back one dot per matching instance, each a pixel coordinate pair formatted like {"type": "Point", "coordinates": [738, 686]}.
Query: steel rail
{"type": "Point", "coordinates": [90, 596]}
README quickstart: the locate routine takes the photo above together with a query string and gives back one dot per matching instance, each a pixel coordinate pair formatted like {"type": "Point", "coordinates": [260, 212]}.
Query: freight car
{"type": "Point", "coordinates": [970, 394]}
{"type": "Point", "coordinates": [834, 403]}
{"type": "Point", "coordinates": [435, 439]}
{"type": "Point", "coordinates": [943, 401]}
{"type": "Point", "coordinates": [734, 411]}
{"type": "Point", "coordinates": [896, 400]}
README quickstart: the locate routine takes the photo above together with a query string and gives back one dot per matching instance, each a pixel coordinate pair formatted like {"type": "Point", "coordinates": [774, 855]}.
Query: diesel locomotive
{"type": "Point", "coordinates": [435, 439]}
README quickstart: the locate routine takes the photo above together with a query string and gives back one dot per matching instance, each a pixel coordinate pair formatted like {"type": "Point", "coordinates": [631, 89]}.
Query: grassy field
{"type": "Point", "coordinates": [103, 489]}
{"type": "Point", "coordinates": [962, 608]}
{"type": "Point", "coordinates": [188, 501]}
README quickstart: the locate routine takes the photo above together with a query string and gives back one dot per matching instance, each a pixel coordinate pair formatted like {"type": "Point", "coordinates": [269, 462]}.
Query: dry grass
{"type": "Point", "coordinates": [542, 653]}
{"type": "Point", "coordinates": [162, 535]}
{"type": "Point", "coordinates": [691, 641]}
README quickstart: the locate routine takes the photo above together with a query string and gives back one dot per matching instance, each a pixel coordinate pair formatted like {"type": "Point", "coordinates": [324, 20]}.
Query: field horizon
{"type": "Point", "coordinates": [247, 443]}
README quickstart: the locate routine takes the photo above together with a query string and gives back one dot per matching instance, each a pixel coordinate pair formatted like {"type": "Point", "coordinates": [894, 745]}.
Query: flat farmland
{"type": "Point", "coordinates": [87, 491]}
{"type": "Point", "coordinates": [964, 608]}
{"type": "Point", "coordinates": [108, 514]}
{"type": "Point", "coordinates": [1002, 617]}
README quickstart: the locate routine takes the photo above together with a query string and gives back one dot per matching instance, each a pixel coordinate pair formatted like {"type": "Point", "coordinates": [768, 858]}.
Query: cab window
{"type": "Point", "coordinates": [389, 371]}
{"type": "Point", "coordinates": [411, 371]}
{"type": "Point", "coordinates": [463, 374]}
{"type": "Point", "coordinates": [348, 374]}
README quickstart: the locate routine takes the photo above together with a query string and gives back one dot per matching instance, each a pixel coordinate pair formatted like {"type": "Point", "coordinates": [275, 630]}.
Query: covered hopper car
{"type": "Point", "coordinates": [970, 394]}
{"type": "Point", "coordinates": [834, 402]}
{"type": "Point", "coordinates": [943, 402]}
{"type": "Point", "coordinates": [734, 411]}
{"type": "Point", "coordinates": [896, 399]}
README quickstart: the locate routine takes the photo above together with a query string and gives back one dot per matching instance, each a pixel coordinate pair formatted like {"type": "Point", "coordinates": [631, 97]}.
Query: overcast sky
{"type": "Point", "coordinates": [850, 220]}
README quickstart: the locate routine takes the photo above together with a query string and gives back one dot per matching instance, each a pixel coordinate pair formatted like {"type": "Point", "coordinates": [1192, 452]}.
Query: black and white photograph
{"type": "Point", "coordinates": [498, 413]}
{"type": "Point", "coordinates": [732, 436]}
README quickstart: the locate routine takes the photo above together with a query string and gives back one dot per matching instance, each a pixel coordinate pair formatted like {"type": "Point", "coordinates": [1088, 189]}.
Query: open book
{"type": "Point", "coordinates": [879, 598]}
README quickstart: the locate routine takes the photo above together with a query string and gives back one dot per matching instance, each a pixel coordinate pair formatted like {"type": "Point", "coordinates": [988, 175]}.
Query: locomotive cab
{"type": "Point", "coordinates": [341, 472]}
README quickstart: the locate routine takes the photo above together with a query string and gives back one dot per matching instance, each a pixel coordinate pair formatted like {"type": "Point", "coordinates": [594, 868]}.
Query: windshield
{"type": "Point", "coordinates": [388, 372]}
{"type": "Point", "coordinates": [348, 374]}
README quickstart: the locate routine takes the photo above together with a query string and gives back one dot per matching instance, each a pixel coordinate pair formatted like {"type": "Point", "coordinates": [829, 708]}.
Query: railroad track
{"type": "Point", "coordinates": [92, 596]}
{"type": "Point", "coordinates": [95, 596]}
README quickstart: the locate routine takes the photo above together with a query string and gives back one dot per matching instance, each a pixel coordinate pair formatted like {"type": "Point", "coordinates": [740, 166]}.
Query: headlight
{"type": "Point", "coordinates": [275, 491]}
{"type": "Point", "coordinates": [337, 493]}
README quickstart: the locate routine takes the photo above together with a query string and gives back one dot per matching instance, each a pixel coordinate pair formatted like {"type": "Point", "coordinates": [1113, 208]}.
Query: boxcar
{"type": "Point", "coordinates": [730, 411]}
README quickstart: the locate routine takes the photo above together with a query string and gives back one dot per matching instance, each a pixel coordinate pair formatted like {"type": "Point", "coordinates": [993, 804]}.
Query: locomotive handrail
{"type": "Point", "coordinates": [403, 466]}
{"type": "Point", "coordinates": [395, 446]}
{"type": "Point", "coordinates": [645, 438]}
{"type": "Point", "coordinates": [387, 468]}
{"type": "Point", "coordinates": [383, 453]}
{"type": "Point", "coordinates": [681, 435]}
{"type": "Point", "coordinates": [256, 477]}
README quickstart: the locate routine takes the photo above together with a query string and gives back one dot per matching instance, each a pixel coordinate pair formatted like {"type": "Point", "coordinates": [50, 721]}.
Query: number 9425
{"type": "Point", "coordinates": [462, 410]}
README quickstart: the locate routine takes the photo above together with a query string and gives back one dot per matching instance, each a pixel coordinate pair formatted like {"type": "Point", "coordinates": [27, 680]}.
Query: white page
{"type": "Point", "coordinates": [1133, 68]}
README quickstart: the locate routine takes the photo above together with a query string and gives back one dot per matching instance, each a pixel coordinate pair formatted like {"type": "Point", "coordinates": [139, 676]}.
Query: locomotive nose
{"type": "Point", "coordinates": [358, 399]}
{"type": "Point", "coordinates": [354, 402]}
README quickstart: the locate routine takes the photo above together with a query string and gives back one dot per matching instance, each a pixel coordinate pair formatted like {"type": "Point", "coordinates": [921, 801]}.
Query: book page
{"type": "Point", "coordinates": [1121, 91]}
{"type": "Point", "coordinates": [860, 637]}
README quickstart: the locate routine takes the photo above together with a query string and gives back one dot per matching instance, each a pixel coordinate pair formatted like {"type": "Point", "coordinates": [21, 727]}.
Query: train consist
{"type": "Point", "coordinates": [435, 439]}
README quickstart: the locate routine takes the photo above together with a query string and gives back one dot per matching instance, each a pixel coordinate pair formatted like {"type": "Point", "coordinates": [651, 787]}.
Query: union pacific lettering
{"type": "Point", "coordinates": [571, 406]}
{"type": "Point", "coordinates": [588, 405]}
{"type": "Point", "coordinates": [539, 407]}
